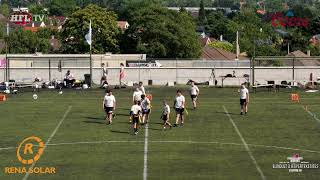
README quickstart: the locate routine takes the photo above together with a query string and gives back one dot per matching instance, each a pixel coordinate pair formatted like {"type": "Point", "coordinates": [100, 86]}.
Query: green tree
{"type": "Point", "coordinates": [104, 31]}
{"type": "Point", "coordinates": [62, 7]}
{"type": "Point", "coordinates": [37, 9]}
{"type": "Point", "coordinates": [222, 45]}
{"type": "Point", "coordinates": [162, 33]}
{"type": "Point", "coordinates": [202, 14]}
{"type": "Point", "coordinates": [5, 9]}
{"type": "Point", "coordinates": [21, 41]}
{"type": "Point", "coordinates": [217, 24]}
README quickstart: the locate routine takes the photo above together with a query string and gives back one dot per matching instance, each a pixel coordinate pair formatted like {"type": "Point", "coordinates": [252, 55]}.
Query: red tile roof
{"type": "Point", "coordinates": [123, 25]}
{"type": "Point", "coordinates": [209, 53]}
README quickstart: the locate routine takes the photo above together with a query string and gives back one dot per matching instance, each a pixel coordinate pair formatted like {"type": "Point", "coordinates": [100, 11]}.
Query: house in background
{"type": "Point", "coordinates": [123, 25]}
{"type": "Point", "coordinates": [305, 62]}
{"type": "Point", "coordinates": [211, 53]}
{"type": "Point", "coordinates": [315, 40]}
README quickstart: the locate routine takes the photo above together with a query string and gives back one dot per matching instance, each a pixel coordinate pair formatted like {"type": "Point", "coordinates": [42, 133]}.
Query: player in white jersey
{"type": "Point", "coordinates": [104, 81]}
{"type": "Point", "coordinates": [109, 105]}
{"type": "Point", "coordinates": [135, 114]}
{"type": "Point", "coordinates": [136, 95]}
{"type": "Point", "coordinates": [141, 88]}
{"type": "Point", "coordinates": [165, 116]}
{"type": "Point", "coordinates": [146, 108]}
{"type": "Point", "coordinates": [179, 104]}
{"type": "Point", "coordinates": [194, 92]}
{"type": "Point", "coordinates": [244, 99]}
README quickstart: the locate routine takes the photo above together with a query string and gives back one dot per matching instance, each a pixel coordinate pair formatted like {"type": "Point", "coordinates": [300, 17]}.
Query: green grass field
{"type": "Point", "coordinates": [207, 147]}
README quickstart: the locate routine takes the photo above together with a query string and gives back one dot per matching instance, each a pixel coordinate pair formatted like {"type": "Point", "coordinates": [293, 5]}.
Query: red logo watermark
{"type": "Point", "coordinates": [279, 19]}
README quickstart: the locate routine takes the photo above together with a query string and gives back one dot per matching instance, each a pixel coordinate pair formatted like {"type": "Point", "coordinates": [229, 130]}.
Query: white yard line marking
{"type": "Point", "coordinates": [5, 148]}
{"type": "Point", "coordinates": [312, 114]}
{"type": "Point", "coordinates": [245, 144]}
{"type": "Point", "coordinates": [145, 156]}
{"type": "Point", "coordinates": [187, 142]}
{"type": "Point", "coordinates": [49, 139]}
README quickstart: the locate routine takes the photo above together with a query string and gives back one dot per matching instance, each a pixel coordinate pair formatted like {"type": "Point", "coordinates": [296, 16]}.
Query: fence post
{"type": "Point", "coordinates": [293, 70]}
{"type": "Point", "coordinates": [253, 59]}
{"type": "Point", "coordinates": [50, 70]}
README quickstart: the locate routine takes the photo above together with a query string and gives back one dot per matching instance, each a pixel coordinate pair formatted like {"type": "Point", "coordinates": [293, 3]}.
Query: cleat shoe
{"type": "Point", "coordinates": [175, 125]}
{"type": "Point", "coordinates": [241, 113]}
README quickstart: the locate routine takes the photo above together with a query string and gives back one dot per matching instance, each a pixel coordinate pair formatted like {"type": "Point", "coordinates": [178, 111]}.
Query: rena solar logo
{"type": "Point", "coordinates": [288, 20]}
{"type": "Point", "coordinates": [29, 152]}
{"type": "Point", "coordinates": [26, 147]}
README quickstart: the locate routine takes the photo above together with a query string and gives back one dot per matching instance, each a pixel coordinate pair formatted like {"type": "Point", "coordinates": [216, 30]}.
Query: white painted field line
{"type": "Point", "coordinates": [311, 114]}
{"type": "Point", "coordinates": [145, 156]}
{"type": "Point", "coordinates": [50, 137]}
{"type": "Point", "coordinates": [5, 148]}
{"type": "Point", "coordinates": [245, 144]}
{"type": "Point", "coordinates": [187, 142]}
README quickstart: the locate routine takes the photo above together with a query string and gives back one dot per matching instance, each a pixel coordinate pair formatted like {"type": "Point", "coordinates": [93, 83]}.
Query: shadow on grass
{"type": "Point", "coordinates": [94, 122]}
{"type": "Point", "coordinates": [121, 132]}
{"type": "Point", "coordinates": [228, 113]}
{"type": "Point", "coordinates": [95, 118]}
{"type": "Point", "coordinates": [154, 129]}
{"type": "Point", "coordinates": [122, 114]}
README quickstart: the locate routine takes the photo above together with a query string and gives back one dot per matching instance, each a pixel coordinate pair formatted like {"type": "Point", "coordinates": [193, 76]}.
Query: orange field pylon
{"type": "Point", "coordinates": [3, 97]}
{"type": "Point", "coordinates": [295, 98]}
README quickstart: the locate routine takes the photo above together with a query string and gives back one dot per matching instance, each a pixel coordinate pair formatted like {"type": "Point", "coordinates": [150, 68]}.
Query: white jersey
{"type": "Point", "coordinates": [137, 95]}
{"type": "Point", "coordinates": [180, 101]}
{"type": "Point", "coordinates": [194, 90]}
{"type": "Point", "coordinates": [109, 100]}
{"type": "Point", "coordinates": [136, 109]}
{"type": "Point", "coordinates": [142, 90]}
{"type": "Point", "coordinates": [243, 93]}
{"type": "Point", "coordinates": [166, 110]}
{"type": "Point", "coordinates": [145, 104]}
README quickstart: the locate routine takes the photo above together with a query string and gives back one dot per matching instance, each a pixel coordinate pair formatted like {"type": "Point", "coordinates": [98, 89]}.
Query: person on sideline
{"type": "Point", "coordinates": [194, 92]}
{"type": "Point", "coordinates": [104, 79]}
{"type": "Point", "coordinates": [244, 99]}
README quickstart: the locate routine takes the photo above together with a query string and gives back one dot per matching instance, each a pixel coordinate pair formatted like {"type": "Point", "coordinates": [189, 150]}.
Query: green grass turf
{"type": "Point", "coordinates": [207, 147]}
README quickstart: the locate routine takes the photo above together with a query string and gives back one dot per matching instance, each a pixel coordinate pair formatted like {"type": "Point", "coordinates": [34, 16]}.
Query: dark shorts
{"type": "Point", "coordinates": [135, 119]}
{"type": "Point", "coordinates": [108, 110]}
{"type": "Point", "coordinates": [145, 111]}
{"type": "Point", "coordinates": [242, 101]}
{"type": "Point", "coordinates": [164, 117]}
{"type": "Point", "coordinates": [179, 111]}
{"type": "Point", "coordinates": [194, 97]}
{"type": "Point", "coordinates": [103, 78]}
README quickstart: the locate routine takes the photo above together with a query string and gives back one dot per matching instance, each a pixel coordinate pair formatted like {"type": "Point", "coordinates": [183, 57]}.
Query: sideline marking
{"type": "Point", "coordinates": [49, 139]}
{"type": "Point", "coordinates": [145, 157]}
{"type": "Point", "coordinates": [245, 144]}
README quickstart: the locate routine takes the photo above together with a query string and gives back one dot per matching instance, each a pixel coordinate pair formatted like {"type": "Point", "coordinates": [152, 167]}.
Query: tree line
{"type": "Point", "coordinates": [163, 33]}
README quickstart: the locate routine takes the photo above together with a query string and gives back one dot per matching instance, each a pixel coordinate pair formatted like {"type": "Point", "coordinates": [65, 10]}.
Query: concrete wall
{"type": "Point", "coordinates": [161, 76]}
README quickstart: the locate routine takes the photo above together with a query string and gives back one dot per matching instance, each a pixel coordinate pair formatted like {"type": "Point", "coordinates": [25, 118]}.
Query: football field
{"type": "Point", "coordinates": [216, 142]}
